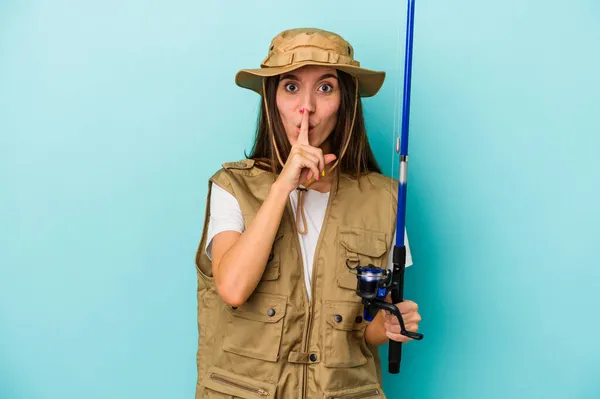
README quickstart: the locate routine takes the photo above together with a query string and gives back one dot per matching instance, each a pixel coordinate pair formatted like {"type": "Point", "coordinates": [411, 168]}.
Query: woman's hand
{"type": "Point", "coordinates": [304, 162]}
{"type": "Point", "coordinates": [410, 315]}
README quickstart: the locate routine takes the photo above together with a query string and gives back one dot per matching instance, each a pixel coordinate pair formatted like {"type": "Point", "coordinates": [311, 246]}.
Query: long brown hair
{"type": "Point", "coordinates": [358, 158]}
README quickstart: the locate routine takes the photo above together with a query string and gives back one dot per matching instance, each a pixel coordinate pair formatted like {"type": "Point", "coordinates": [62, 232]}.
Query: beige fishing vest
{"type": "Point", "coordinates": [277, 344]}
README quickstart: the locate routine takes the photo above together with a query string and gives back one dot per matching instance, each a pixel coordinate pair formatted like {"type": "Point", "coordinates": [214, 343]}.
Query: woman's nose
{"type": "Point", "coordinates": [308, 103]}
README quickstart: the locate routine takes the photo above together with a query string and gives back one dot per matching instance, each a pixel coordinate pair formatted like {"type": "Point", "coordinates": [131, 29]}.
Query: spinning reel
{"type": "Point", "coordinates": [373, 285]}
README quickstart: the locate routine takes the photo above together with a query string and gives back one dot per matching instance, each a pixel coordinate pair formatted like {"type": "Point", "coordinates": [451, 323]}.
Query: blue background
{"type": "Point", "coordinates": [114, 114]}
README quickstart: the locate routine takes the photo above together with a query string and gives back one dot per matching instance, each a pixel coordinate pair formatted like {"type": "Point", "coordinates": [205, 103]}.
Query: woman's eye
{"type": "Point", "coordinates": [291, 87]}
{"type": "Point", "coordinates": [327, 88]}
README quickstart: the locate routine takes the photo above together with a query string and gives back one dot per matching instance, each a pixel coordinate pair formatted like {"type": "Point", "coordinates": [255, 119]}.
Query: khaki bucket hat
{"type": "Point", "coordinates": [295, 48]}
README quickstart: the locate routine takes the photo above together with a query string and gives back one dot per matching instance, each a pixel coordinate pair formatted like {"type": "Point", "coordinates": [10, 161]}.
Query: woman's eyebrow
{"type": "Point", "coordinates": [294, 77]}
{"type": "Point", "coordinates": [328, 75]}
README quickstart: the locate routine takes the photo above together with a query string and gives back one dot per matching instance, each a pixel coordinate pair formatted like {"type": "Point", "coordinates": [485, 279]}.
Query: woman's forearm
{"type": "Point", "coordinates": [241, 267]}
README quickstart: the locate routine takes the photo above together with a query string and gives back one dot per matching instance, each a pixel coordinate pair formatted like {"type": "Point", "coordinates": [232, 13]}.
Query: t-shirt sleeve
{"type": "Point", "coordinates": [225, 215]}
{"type": "Point", "coordinates": [409, 261]}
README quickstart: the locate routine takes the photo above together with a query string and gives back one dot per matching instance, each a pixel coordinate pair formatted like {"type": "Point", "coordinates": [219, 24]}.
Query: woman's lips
{"type": "Point", "coordinates": [310, 129]}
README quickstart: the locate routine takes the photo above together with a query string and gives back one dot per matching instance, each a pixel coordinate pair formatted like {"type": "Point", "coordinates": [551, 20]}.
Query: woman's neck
{"type": "Point", "coordinates": [323, 185]}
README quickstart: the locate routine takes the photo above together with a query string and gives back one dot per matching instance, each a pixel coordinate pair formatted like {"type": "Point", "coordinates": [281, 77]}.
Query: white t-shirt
{"type": "Point", "coordinates": [225, 214]}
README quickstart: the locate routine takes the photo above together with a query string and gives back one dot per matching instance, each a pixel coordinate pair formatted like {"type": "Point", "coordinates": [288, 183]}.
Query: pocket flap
{"type": "Point", "coordinates": [268, 308]}
{"type": "Point", "coordinates": [271, 271]}
{"type": "Point", "coordinates": [364, 242]}
{"type": "Point", "coordinates": [361, 247]}
{"type": "Point", "coordinates": [348, 280]}
{"type": "Point", "coordinates": [347, 316]}
{"type": "Point", "coordinates": [229, 383]}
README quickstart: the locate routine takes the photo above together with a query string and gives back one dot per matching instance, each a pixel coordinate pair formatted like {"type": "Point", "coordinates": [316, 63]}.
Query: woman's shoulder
{"type": "Point", "coordinates": [242, 164]}
{"type": "Point", "coordinates": [247, 167]}
{"type": "Point", "coordinates": [372, 183]}
{"type": "Point", "coordinates": [379, 181]}
{"type": "Point", "coordinates": [241, 178]}
{"type": "Point", "coordinates": [380, 178]}
{"type": "Point", "coordinates": [236, 171]}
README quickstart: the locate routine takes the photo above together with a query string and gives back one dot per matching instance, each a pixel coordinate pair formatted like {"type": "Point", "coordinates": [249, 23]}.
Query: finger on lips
{"type": "Point", "coordinates": [303, 136]}
{"type": "Point", "coordinates": [309, 152]}
{"type": "Point", "coordinates": [305, 148]}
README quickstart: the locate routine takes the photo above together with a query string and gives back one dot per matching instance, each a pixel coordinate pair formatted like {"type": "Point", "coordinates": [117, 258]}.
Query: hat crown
{"type": "Point", "coordinates": [309, 44]}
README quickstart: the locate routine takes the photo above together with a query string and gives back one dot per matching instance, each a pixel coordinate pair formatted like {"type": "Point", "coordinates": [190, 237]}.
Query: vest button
{"type": "Point", "coordinates": [271, 312]}
{"type": "Point", "coordinates": [358, 319]}
{"type": "Point", "coordinates": [313, 357]}
{"type": "Point", "coordinates": [337, 318]}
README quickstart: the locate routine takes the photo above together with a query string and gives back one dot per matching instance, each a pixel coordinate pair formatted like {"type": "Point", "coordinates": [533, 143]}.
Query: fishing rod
{"type": "Point", "coordinates": [374, 283]}
{"type": "Point", "coordinates": [399, 256]}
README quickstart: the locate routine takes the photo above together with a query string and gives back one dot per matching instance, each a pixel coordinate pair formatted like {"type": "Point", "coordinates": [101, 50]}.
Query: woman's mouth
{"type": "Point", "coordinates": [311, 129]}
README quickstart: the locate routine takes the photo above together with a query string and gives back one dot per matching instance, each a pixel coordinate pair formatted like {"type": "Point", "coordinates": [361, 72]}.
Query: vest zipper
{"type": "Point", "coordinates": [228, 381]}
{"type": "Point", "coordinates": [308, 326]}
{"type": "Point", "coordinates": [357, 395]}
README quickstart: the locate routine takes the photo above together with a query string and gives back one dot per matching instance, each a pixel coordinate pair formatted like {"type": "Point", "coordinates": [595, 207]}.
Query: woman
{"type": "Point", "coordinates": [278, 312]}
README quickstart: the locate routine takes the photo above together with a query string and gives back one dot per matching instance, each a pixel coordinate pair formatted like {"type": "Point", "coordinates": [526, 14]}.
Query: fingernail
{"type": "Point", "coordinates": [302, 111]}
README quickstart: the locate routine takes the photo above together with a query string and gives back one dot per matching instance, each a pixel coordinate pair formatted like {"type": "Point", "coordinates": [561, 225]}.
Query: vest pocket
{"type": "Point", "coordinates": [366, 392]}
{"type": "Point", "coordinates": [359, 246]}
{"type": "Point", "coordinates": [255, 328]}
{"type": "Point", "coordinates": [219, 383]}
{"type": "Point", "coordinates": [207, 303]}
{"type": "Point", "coordinates": [343, 334]}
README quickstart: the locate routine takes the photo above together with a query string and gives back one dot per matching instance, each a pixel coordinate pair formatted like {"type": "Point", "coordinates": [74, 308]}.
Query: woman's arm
{"type": "Point", "coordinates": [375, 332]}
{"type": "Point", "coordinates": [239, 259]}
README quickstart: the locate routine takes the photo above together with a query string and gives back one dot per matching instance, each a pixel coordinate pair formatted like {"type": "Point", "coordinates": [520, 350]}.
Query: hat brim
{"type": "Point", "coordinates": [369, 81]}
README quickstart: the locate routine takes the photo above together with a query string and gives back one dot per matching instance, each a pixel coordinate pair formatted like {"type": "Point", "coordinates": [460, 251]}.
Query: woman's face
{"type": "Point", "coordinates": [317, 89]}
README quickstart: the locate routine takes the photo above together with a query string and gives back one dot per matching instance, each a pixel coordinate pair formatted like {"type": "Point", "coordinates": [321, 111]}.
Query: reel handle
{"type": "Point", "coordinates": [396, 312]}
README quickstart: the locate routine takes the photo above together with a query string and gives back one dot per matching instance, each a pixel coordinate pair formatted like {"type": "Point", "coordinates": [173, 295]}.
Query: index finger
{"type": "Point", "coordinates": [407, 306]}
{"type": "Point", "coordinates": [303, 136]}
